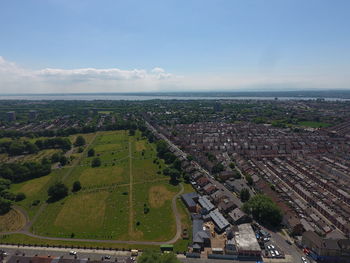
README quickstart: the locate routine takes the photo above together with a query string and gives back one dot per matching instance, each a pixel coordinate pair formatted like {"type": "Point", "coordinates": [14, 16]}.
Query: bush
{"type": "Point", "coordinates": [35, 202]}
{"type": "Point", "coordinates": [76, 186]}
{"type": "Point", "coordinates": [20, 197]}
{"type": "Point", "coordinates": [96, 162]}
{"type": "Point", "coordinates": [91, 152]}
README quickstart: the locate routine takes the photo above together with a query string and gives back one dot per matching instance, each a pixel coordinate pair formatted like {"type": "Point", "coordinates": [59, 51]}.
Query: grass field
{"type": "Point", "coordinates": [23, 239]}
{"type": "Point", "coordinates": [314, 124]}
{"type": "Point", "coordinates": [11, 221]}
{"type": "Point", "coordinates": [111, 203]}
{"type": "Point", "coordinates": [36, 189]}
{"type": "Point", "coordinates": [157, 197]}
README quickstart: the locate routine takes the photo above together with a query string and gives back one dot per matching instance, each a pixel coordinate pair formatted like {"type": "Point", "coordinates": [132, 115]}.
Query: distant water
{"type": "Point", "coordinates": [91, 97]}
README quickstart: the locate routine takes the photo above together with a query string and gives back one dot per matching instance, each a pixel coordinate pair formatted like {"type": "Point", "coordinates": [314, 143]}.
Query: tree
{"type": "Point", "coordinates": [244, 195]}
{"type": "Point", "coordinates": [132, 132]}
{"type": "Point", "coordinates": [169, 157]}
{"type": "Point", "coordinates": [264, 210]}
{"type": "Point", "coordinates": [190, 158]}
{"type": "Point", "coordinates": [219, 167]}
{"type": "Point", "coordinates": [63, 160]}
{"type": "Point", "coordinates": [91, 152]}
{"type": "Point", "coordinates": [80, 141]}
{"type": "Point", "coordinates": [55, 158]}
{"type": "Point", "coordinates": [232, 165]}
{"type": "Point", "coordinates": [5, 206]}
{"type": "Point", "coordinates": [16, 148]}
{"type": "Point", "coordinates": [249, 179]}
{"type": "Point", "coordinates": [76, 186]}
{"type": "Point", "coordinates": [32, 148]}
{"type": "Point", "coordinates": [162, 148]}
{"type": "Point", "coordinates": [177, 164]}
{"type": "Point", "coordinates": [96, 162]}
{"type": "Point", "coordinates": [57, 191]}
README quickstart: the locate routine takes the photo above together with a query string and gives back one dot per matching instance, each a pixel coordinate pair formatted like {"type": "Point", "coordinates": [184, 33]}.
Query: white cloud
{"type": "Point", "coordinates": [16, 79]}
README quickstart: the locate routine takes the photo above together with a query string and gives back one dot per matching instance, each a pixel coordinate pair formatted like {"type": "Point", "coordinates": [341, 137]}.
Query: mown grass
{"type": "Point", "coordinates": [90, 215]}
{"type": "Point", "coordinates": [101, 209]}
{"type": "Point", "coordinates": [36, 189]}
{"type": "Point", "coordinates": [182, 244]}
{"type": "Point", "coordinates": [314, 124]}
{"type": "Point", "coordinates": [24, 239]}
{"type": "Point", "coordinates": [103, 176]}
{"type": "Point", "coordinates": [11, 221]}
{"type": "Point", "coordinates": [159, 223]}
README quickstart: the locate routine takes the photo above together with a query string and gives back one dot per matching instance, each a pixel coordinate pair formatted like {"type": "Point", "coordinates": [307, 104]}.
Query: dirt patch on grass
{"type": "Point", "coordinates": [140, 146]}
{"type": "Point", "coordinates": [158, 195]}
{"type": "Point", "coordinates": [12, 221]}
{"type": "Point", "coordinates": [136, 235]}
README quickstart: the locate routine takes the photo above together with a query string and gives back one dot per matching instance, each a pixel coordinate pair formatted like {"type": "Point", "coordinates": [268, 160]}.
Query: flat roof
{"type": "Point", "coordinates": [246, 239]}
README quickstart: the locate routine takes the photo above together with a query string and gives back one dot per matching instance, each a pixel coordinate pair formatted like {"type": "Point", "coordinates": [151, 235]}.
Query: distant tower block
{"type": "Point", "coordinates": [33, 114]}
{"type": "Point", "coordinates": [11, 116]}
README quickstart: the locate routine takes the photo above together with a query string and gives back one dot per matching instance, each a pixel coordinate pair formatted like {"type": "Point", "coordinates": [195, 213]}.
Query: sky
{"type": "Point", "coordinates": [67, 46]}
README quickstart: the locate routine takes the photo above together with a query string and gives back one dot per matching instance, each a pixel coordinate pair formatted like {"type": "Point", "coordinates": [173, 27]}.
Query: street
{"type": "Point", "coordinates": [116, 256]}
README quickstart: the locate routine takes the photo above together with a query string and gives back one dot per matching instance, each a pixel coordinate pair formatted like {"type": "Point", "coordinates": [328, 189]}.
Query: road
{"type": "Point", "coordinates": [280, 241]}
{"type": "Point", "coordinates": [58, 252]}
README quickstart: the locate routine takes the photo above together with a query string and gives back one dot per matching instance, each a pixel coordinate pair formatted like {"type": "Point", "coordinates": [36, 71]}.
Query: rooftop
{"type": "Point", "coordinates": [219, 219]}
{"type": "Point", "coordinates": [245, 238]}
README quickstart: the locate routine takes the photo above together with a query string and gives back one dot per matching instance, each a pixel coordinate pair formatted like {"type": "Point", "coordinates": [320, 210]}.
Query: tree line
{"type": "Point", "coordinates": [20, 147]}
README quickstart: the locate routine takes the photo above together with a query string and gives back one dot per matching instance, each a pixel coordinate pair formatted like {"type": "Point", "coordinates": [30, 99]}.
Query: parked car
{"type": "Point", "coordinates": [107, 257]}
{"type": "Point", "coordinates": [72, 252]}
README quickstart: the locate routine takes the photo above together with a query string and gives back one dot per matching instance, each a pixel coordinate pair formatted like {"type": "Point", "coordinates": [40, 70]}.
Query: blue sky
{"type": "Point", "coordinates": [85, 45]}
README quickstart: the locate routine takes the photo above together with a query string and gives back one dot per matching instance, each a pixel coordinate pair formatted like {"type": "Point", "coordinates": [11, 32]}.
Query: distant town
{"type": "Point", "coordinates": [219, 180]}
